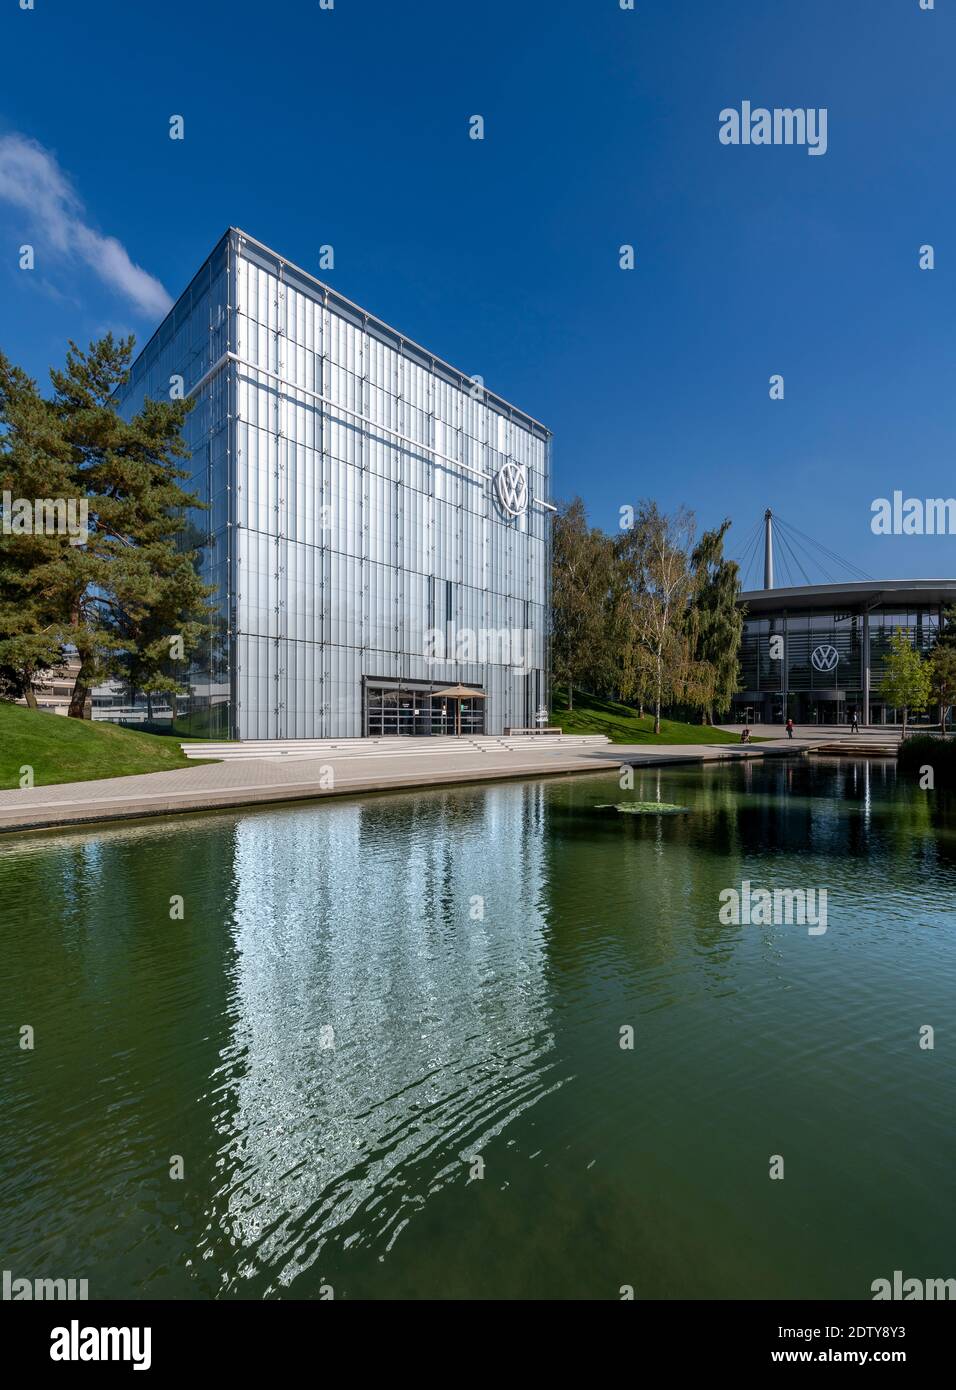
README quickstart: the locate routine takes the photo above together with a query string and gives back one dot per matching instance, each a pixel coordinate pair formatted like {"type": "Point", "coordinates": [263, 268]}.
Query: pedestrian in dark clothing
{"type": "Point", "coordinates": [789, 728]}
{"type": "Point", "coordinates": [854, 723]}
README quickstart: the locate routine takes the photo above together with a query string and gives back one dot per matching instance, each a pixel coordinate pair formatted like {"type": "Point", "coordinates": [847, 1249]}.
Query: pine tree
{"type": "Point", "coordinates": [131, 579]}
{"type": "Point", "coordinates": [34, 464]}
{"type": "Point", "coordinates": [132, 587]}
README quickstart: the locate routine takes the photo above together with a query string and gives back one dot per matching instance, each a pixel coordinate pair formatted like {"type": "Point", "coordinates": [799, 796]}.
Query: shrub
{"type": "Point", "coordinates": [925, 750]}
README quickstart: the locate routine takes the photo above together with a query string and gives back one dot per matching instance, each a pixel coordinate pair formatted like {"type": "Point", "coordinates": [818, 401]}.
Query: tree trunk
{"type": "Point", "coordinates": [904, 721]}
{"type": "Point", "coordinates": [81, 686]}
{"type": "Point", "coordinates": [30, 695]}
{"type": "Point", "coordinates": [657, 716]}
{"type": "Point", "coordinates": [570, 696]}
{"type": "Point", "coordinates": [149, 706]}
{"type": "Point", "coordinates": [81, 693]}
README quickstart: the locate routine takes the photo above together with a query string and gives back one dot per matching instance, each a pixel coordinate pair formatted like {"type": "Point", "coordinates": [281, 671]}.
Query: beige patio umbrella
{"type": "Point", "coordinates": [459, 693]}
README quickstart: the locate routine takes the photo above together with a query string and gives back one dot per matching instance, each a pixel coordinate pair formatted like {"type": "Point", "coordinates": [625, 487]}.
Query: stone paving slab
{"type": "Point", "coordinates": [250, 782]}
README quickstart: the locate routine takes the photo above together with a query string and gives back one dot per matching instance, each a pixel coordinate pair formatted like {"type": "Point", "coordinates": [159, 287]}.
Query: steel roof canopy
{"type": "Point", "coordinates": [861, 594]}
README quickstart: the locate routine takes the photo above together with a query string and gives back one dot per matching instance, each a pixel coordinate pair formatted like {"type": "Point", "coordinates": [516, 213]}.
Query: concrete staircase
{"type": "Point", "coordinates": [397, 747]}
{"type": "Point", "coordinates": [857, 748]}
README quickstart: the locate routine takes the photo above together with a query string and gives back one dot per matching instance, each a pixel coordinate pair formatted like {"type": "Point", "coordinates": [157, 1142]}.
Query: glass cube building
{"type": "Point", "coordinates": [376, 523]}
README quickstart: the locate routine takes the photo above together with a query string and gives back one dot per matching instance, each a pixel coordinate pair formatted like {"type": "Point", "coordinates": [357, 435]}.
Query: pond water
{"type": "Point", "coordinates": [368, 1003]}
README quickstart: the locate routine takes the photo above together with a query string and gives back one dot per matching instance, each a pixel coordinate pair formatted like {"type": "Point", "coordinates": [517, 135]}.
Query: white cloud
{"type": "Point", "coordinates": [31, 179]}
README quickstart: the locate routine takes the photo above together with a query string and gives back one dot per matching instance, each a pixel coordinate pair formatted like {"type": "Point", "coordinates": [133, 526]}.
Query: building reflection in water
{"type": "Point", "coordinates": [387, 1022]}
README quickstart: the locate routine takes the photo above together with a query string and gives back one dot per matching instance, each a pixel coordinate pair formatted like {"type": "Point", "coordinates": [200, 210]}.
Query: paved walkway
{"type": "Point", "coordinates": [260, 780]}
{"type": "Point", "coordinates": [824, 733]}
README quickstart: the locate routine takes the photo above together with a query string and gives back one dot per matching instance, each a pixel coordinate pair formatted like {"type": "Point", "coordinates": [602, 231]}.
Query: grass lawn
{"type": "Point", "coordinates": [78, 750]}
{"type": "Point", "coordinates": [622, 725]}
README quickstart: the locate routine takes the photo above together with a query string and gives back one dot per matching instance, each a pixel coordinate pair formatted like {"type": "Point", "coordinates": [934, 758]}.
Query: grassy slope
{"type": "Point", "coordinates": [77, 750]}
{"type": "Point", "coordinates": [621, 724]}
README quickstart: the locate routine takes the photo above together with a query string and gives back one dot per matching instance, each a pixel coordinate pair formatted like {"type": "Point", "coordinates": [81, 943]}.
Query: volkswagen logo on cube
{"type": "Point", "coordinates": [511, 489]}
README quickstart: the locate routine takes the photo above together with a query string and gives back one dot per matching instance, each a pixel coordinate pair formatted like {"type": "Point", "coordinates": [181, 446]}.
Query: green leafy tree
{"type": "Point", "coordinates": [942, 672]}
{"type": "Point", "coordinates": [655, 556]}
{"type": "Point", "coordinates": [947, 631]}
{"type": "Point", "coordinates": [631, 668]}
{"type": "Point", "coordinates": [906, 683]}
{"type": "Point", "coordinates": [646, 615]}
{"type": "Point", "coordinates": [716, 618]}
{"type": "Point", "coordinates": [582, 573]}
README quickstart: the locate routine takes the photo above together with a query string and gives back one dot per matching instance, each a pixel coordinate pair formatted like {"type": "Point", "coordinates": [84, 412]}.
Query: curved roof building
{"type": "Point", "coordinates": [817, 652]}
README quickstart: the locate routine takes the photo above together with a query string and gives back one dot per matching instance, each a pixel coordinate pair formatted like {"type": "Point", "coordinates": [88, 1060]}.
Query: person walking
{"type": "Point", "coordinates": [854, 723]}
{"type": "Point", "coordinates": [789, 728]}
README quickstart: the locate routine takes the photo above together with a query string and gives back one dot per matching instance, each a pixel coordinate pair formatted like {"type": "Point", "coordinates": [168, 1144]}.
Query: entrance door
{"type": "Point", "coordinates": [831, 712]}
{"type": "Point", "coordinates": [416, 712]}
{"type": "Point", "coordinates": [472, 716]}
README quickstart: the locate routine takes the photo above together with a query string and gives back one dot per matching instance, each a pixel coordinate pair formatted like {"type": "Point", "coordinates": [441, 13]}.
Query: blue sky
{"type": "Point", "coordinates": [350, 127]}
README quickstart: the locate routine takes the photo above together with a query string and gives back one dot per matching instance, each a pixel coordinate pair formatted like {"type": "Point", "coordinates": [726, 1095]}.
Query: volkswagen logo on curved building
{"type": "Point", "coordinates": [825, 658]}
{"type": "Point", "coordinates": [511, 489]}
